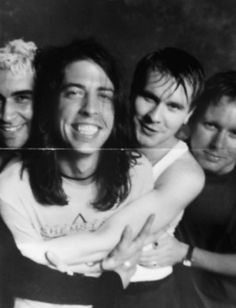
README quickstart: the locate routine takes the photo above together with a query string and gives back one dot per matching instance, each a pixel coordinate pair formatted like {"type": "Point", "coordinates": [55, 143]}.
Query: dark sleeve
{"type": "Point", "coordinates": [27, 279]}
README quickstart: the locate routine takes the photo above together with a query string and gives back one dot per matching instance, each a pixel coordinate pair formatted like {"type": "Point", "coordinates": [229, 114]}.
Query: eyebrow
{"type": "Point", "coordinates": [148, 94]}
{"type": "Point", "coordinates": [156, 99]}
{"type": "Point", "coordinates": [16, 93]}
{"type": "Point", "coordinates": [106, 89]}
{"type": "Point", "coordinates": [79, 85]}
{"type": "Point", "coordinates": [22, 92]}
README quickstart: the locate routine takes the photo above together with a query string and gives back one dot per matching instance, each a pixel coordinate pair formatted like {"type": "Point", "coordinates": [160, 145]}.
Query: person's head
{"type": "Point", "coordinates": [163, 92]}
{"type": "Point", "coordinates": [213, 124]}
{"type": "Point", "coordinates": [79, 106]}
{"type": "Point", "coordinates": [79, 98]}
{"type": "Point", "coordinates": [16, 86]}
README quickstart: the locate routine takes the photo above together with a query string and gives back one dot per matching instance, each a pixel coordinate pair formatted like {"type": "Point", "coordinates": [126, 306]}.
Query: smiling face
{"type": "Point", "coordinates": [15, 107]}
{"type": "Point", "coordinates": [85, 113]}
{"type": "Point", "coordinates": [213, 139]}
{"type": "Point", "coordinates": [160, 111]}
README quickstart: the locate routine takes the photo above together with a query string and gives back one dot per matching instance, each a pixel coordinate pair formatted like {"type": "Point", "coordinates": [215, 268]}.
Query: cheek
{"type": "Point", "coordinates": [175, 121]}
{"type": "Point", "coordinates": [141, 107]}
{"type": "Point", "coordinates": [109, 117]}
{"type": "Point", "coordinates": [26, 112]}
{"type": "Point", "coordinates": [232, 148]}
{"type": "Point", "coordinates": [200, 138]}
{"type": "Point", "coordinates": [65, 112]}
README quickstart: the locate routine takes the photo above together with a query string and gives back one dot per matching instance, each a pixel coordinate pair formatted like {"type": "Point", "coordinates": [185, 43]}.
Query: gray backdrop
{"type": "Point", "coordinates": [206, 28]}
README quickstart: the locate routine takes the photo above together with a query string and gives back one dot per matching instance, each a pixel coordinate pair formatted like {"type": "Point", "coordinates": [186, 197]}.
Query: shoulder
{"type": "Point", "coordinates": [141, 177]}
{"type": "Point", "coordinates": [11, 179]}
{"type": "Point", "coordinates": [142, 169]}
{"type": "Point", "coordinates": [186, 172]}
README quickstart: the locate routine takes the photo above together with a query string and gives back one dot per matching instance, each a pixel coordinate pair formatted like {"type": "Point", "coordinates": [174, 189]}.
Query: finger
{"type": "Point", "coordinates": [111, 263]}
{"type": "Point", "coordinates": [52, 259]}
{"type": "Point", "coordinates": [164, 235]}
{"type": "Point", "coordinates": [146, 229]}
{"type": "Point", "coordinates": [83, 268]}
{"type": "Point", "coordinates": [150, 264]}
{"type": "Point", "coordinates": [125, 239]}
{"type": "Point", "coordinates": [150, 258]}
{"type": "Point", "coordinates": [56, 262]}
{"type": "Point", "coordinates": [150, 254]}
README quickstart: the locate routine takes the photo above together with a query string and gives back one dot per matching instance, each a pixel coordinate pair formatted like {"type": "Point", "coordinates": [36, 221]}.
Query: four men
{"type": "Point", "coordinates": [79, 113]}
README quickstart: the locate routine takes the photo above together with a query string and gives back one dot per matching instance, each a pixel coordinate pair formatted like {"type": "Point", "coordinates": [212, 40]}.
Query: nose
{"type": "Point", "coordinates": [7, 111]}
{"type": "Point", "coordinates": [219, 140]}
{"type": "Point", "coordinates": [90, 105]}
{"type": "Point", "coordinates": [156, 113]}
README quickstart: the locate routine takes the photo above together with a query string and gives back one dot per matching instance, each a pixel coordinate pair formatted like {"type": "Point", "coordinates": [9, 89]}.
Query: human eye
{"type": "Point", "coordinates": [74, 92]}
{"type": "Point", "coordinates": [23, 98]}
{"type": "Point", "coordinates": [210, 125]}
{"type": "Point", "coordinates": [106, 97]}
{"type": "Point", "coordinates": [148, 97]}
{"type": "Point", "coordinates": [233, 134]}
{"type": "Point", "coordinates": [149, 100]}
{"type": "Point", "coordinates": [174, 106]}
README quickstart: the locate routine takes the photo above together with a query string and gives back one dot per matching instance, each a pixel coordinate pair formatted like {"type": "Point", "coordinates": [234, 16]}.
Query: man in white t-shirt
{"type": "Point", "coordinates": [81, 177]}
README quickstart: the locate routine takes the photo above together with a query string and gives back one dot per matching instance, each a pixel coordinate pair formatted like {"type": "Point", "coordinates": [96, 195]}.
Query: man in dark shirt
{"type": "Point", "coordinates": [208, 226]}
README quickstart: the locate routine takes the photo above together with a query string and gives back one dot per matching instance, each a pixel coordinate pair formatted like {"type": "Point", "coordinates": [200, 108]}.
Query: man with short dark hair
{"type": "Point", "coordinates": [207, 230]}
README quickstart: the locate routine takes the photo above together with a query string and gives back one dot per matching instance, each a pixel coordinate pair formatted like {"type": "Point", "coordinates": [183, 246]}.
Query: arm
{"type": "Point", "coordinates": [27, 279]}
{"type": "Point", "coordinates": [174, 189]}
{"type": "Point", "coordinates": [215, 262]}
{"type": "Point", "coordinates": [171, 251]}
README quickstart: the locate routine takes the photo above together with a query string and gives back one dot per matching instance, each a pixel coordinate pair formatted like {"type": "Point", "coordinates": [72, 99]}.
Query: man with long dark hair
{"type": "Point", "coordinates": [79, 176]}
{"type": "Point", "coordinates": [20, 276]}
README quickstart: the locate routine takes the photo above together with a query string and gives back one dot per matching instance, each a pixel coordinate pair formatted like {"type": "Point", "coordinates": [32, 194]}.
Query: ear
{"type": "Point", "coordinates": [188, 116]}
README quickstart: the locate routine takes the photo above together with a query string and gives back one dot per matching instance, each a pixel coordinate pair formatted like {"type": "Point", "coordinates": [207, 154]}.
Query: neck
{"type": "Point", "coordinates": [154, 155]}
{"type": "Point", "coordinates": [78, 166]}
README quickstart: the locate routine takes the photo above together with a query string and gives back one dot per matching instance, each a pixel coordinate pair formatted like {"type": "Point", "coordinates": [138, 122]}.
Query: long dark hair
{"type": "Point", "coordinates": [112, 173]}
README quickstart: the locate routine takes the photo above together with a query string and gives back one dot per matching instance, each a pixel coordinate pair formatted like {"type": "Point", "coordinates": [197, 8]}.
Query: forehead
{"type": "Point", "coordinates": [166, 87]}
{"type": "Point", "coordinates": [86, 72]}
{"type": "Point", "coordinates": [12, 82]}
{"type": "Point", "coordinates": [224, 113]}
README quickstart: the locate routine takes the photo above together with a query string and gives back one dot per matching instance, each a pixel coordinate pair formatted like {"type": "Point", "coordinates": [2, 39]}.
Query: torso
{"type": "Point", "coordinates": [150, 274]}
{"type": "Point", "coordinates": [30, 221]}
{"type": "Point", "coordinates": [208, 216]}
{"type": "Point", "coordinates": [209, 223]}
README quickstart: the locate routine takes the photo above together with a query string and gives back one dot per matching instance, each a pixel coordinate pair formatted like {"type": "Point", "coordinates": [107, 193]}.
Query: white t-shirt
{"type": "Point", "coordinates": [157, 273]}
{"type": "Point", "coordinates": [32, 222]}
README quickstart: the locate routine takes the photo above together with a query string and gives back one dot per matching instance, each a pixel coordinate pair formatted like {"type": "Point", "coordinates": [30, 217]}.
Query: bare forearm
{"type": "Point", "coordinates": [72, 249]}
{"type": "Point", "coordinates": [215, 262]}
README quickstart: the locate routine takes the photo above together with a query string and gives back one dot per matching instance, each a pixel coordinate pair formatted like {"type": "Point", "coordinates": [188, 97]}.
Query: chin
{"type": "Point", "coordinates": [85, 150]}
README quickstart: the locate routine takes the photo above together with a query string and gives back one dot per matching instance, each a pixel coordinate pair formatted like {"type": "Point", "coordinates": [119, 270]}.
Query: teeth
{"type": "Point", "coordinates": [87, 129]}
{"type": "Point", "coordinates": [11, 128]}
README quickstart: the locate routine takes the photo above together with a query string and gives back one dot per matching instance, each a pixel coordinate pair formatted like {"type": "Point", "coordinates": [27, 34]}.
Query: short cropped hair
{"type": "Point", "coordinates": [171, 62]}
{"type": "Point", "coordinates": [18, 56]}
{"type": "Point", "coordinates": [219, 85]}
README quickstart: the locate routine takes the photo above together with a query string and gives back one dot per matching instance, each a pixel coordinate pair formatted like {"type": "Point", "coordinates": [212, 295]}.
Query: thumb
{"type": "Point", "coordinates": [57, 263]}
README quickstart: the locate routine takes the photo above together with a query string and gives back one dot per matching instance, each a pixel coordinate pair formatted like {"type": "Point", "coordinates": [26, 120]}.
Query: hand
{"type": "Point", "coordinates": [167, 252]}
{"type": "Point", "coordinates": [88, 268]}
{"type": "Point", "coordinates": [55, 262]}
{"type": "Point", "coordinates": [124, 257]}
